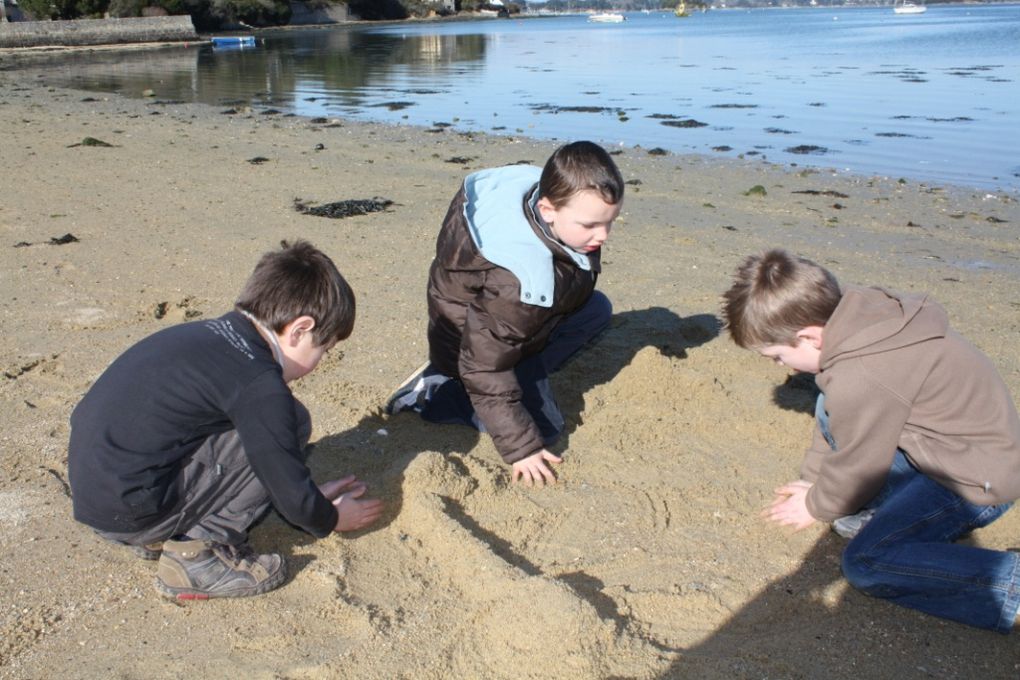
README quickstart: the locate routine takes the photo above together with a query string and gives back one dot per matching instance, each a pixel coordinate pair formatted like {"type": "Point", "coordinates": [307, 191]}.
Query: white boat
{"type": "Point", "coordinates": [908, 7]}
{"type": "Point", "coordinates": [606, 17]}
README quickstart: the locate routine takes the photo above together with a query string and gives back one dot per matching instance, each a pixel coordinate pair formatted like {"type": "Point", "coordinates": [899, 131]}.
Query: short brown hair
{"type": "Point", "coordinates": [580, 166]}
{"type": "Point", "coordinates": [774, 295]}
{"type": "Point", "coordinates": [300, 280]}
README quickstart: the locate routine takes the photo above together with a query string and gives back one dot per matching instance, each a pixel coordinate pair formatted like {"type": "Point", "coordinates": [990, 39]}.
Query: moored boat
{"type": "Point", "coordinates": [908, 7]}
{"type": "Point", "coordinates": [606, 17]}
{"type": "Point", "coordinates": [233, 41]}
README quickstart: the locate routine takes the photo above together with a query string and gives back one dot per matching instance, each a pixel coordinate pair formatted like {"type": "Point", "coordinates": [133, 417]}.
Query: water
{"type": "Point", "coordinates": [932, 97]}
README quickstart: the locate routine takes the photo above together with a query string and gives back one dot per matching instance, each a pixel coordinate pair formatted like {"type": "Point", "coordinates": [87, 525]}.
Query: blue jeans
{"type": "Point", "coordinates": [907, 553]}
{"type": "Point", "coordinates": [450, 403]}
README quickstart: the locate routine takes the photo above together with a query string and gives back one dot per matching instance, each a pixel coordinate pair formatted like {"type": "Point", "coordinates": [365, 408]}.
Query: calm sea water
{"type": "Point", "coordinates": [934, 97]}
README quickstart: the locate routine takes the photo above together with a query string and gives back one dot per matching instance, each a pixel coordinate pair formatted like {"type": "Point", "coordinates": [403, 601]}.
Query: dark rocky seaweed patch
{"type": "Point", "coordinates": [552, 108]}
{"type": "Point", "coordinates": [686, 123]}
{"type": "Point", "coordinates": [807, 149]}
{"type": "Point", "coordinates": [733, 106]}
{"type": "Point", "coordinates": [900, 134]}
{"type": "Point", "coordinates": [816, 192]}
{"type": "Point", "coordinates": [347, 208]}
{"type": "Point", "coordinates": [90, 141]}
{"type": "Point", "coordinates": [778, 131]}
{"type": "Point", "coordinates": [393, 106]}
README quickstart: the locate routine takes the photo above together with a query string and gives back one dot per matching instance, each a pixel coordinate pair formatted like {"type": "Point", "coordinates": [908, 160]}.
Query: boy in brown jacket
{"type": "Point", "coordinates": [511, 297]}
{"type": "Point", "coordinates": [914, 425]}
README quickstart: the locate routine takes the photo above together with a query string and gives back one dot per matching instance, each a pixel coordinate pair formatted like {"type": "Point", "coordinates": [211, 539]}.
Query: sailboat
{"type": "Point", "coordinates": [908, 7]}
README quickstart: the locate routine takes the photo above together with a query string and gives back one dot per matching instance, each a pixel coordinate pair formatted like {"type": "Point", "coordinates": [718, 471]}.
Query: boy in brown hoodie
{"type": "Point", "coordinates": [915, 427]}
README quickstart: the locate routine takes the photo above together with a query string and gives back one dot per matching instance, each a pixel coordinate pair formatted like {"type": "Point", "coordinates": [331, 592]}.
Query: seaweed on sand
{"type": "Point", "coordinates": [347, 208]}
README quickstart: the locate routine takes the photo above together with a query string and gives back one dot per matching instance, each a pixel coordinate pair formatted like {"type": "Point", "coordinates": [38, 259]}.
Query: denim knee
{"type": "Point", "coordinates": [601, 309]}
{"type": "Point", "coordinates": [857, 569]}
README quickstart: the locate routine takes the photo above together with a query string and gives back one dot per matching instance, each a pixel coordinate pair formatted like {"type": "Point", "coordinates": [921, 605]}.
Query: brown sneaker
{"type": "Point", "coordinates": [198, 570]}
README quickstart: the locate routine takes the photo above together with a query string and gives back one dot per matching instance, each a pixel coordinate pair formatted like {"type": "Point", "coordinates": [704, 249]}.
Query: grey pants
{"type": "Point", "coordinates": [222, 497]}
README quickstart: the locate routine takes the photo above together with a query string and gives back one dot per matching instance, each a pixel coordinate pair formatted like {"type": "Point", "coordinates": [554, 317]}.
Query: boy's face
{"type": "Point", "coordinates": [583, 222]}
{"type": "Point", "coordinates": [805, 356]}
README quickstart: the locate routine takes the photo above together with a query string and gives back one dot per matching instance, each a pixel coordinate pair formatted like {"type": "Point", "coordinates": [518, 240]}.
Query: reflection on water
{"type": "Point", "coordinates": [931, 97]}
{"type": "Point", "coordinates": [332, 67]}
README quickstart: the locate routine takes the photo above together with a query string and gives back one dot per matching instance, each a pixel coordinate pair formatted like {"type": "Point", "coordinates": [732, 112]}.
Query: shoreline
{"type": "Point", "coordinates": [919, 161]}
{"type": "Point", "coordinates": [647, 560]}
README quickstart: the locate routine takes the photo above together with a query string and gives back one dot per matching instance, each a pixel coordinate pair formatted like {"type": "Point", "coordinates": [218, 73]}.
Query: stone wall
{"type": "Point", "coordinates": [96, 31]}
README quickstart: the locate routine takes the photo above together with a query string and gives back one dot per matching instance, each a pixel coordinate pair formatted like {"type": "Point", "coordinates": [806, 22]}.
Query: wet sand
{"type": "Point", "coordinates": [647, 560]}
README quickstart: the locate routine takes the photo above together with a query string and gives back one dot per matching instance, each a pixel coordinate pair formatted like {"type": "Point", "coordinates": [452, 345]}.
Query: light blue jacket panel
{"type": "Point", "coordinates": [504, 236]}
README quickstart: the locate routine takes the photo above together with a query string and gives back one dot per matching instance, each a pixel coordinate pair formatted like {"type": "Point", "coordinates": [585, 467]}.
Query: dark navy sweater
{"type": "Point", "coordinates": [160, 400]}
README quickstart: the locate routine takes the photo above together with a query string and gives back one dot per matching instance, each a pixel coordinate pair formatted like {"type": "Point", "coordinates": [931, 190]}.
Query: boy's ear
{"type": "Point", "coordinates": [812, 335]}
{"type": "Point", "coordinates": [294, 331]}
{"type": "Point", "coordinates": [546, 209]}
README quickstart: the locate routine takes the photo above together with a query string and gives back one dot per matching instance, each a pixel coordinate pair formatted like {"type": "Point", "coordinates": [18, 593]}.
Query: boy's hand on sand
{"type": "Point", "coordinates": [790, 506]}
{"type": "Point", "coordinates": [333, 488]}
{"type": "Point", "coordinates": [533, 469]}
{"type": "Point", "coordinates": [352, 513]}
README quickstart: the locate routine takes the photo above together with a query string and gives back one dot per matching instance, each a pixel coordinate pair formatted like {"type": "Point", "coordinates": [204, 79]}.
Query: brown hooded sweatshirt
{"type": "Point", "coordinates": [894, 374]}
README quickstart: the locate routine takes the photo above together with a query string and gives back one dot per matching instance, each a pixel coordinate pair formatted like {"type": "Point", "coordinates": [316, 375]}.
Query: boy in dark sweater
{"type": "Point", "coordinates": [189, 436]}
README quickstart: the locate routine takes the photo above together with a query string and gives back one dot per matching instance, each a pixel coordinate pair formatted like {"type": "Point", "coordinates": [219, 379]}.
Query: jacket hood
{"type": "Point", "coordinates": [883, 320]}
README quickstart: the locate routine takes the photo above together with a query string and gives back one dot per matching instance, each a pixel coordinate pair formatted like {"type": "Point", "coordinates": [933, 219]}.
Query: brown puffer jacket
{"type": "Point", "coordinates": [479, 327]}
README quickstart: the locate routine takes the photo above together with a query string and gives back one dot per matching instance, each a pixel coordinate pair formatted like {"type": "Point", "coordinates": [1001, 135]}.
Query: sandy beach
{"type": "Point", "coordinates": [647, 560]}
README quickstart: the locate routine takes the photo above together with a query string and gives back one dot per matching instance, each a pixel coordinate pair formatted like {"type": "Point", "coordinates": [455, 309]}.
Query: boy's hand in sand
{"type": "Point", "coordinates": [533, 469]}
{"type": "Point", "coordinates": [790, 506]}
{"type": "Point", "coordinates": [352, 513]}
